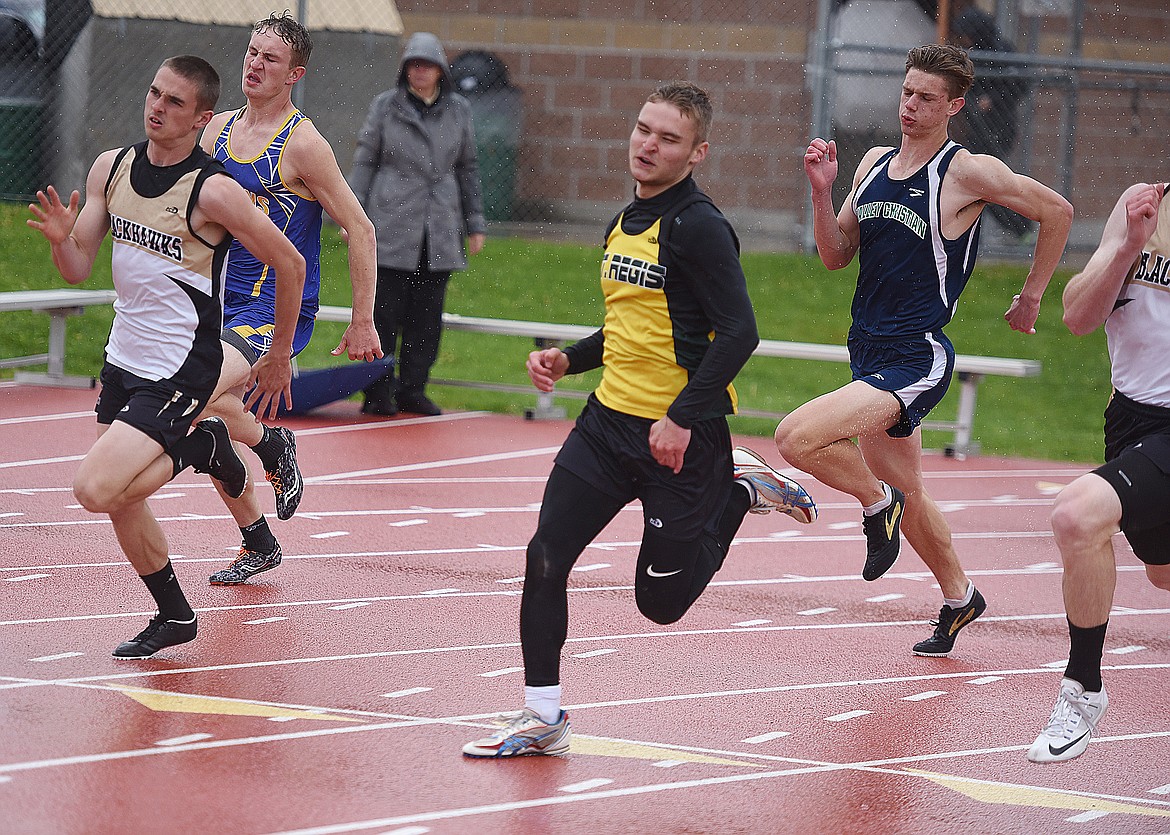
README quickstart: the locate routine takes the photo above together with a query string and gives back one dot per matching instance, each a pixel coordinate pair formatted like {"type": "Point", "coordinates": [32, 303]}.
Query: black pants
{"type": "Point", "coordinates": [572, 514]}
{"type": "Point", "coordinates": [408, 305]}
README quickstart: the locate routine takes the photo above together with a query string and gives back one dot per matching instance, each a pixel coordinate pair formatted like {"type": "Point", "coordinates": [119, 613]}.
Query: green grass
{"type": "Point", "coordinates": [1055, 416]}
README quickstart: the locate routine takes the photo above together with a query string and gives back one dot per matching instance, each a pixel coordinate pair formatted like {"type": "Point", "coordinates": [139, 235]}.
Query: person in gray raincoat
{"type": "Point", "coordinates": [416, 175]}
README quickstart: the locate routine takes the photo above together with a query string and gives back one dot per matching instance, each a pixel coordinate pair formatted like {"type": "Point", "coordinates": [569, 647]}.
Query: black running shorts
{"type": "Point", "coordinates": [1140, 477]}
{"type": "Point", "coordinates": [156, 408]}
{"type": "Point", "coordinates": [611, 451]}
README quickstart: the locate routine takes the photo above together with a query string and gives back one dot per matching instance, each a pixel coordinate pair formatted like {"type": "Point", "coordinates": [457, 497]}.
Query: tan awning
{"type": "Point", "coordinates": [379, 16]}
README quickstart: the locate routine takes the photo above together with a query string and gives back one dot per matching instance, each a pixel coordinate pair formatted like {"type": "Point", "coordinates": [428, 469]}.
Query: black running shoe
{"type": "Point", "coordinates": [224, 465]}
{"type": "Point", "coordinates": [949, 622]}
{"type": "Point", "coordinates": [286, 479]}
{"type": "Point", "coordinates": [159, 633]}
{"type": "Point", "coordinates": [882, 537]}
{"type": "Point", "coordinates": [247, 565]}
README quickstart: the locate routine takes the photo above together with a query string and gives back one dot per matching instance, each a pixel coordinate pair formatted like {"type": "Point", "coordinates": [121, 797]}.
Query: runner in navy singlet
{"type": "Point", "coordinates": [912, 217]}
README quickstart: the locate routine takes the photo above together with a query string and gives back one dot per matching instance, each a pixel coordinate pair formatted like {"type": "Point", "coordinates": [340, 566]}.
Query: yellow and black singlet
{"type": "Point", "coordinates": [678, 321]}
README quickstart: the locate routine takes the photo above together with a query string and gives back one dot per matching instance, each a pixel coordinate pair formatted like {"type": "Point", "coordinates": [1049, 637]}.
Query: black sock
{"type": "Point", "coordinates": [194, 448]}
{"type": "Point", "coordinates": [1084, 655]}
{"type": "Point", "coordinates": [258, 537]}
{"type": "Point", "coordinates": [163, 586]}
{"type": "Point", "coordinates": [269, 449]}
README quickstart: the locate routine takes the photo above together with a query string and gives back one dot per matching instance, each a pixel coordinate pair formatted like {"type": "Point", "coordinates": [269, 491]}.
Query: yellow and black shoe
{"type": "Point", "coordinates": [950, 621]}
{"type": "Point", "coordinates": [882, 536]}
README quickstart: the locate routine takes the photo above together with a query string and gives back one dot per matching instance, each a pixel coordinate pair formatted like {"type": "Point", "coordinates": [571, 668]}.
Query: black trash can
{"type": "Point", "coordinates": [497, 110]}
{"type": "Point", "coordinates": [21, 109]}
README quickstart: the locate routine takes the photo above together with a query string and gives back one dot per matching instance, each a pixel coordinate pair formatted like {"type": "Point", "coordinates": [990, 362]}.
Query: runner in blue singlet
{"type": "Point", "coordinates": [912, 217]}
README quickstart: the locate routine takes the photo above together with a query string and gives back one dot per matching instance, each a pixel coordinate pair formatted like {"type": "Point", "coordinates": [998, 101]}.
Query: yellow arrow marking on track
{"type": "Point", "coordinates": [636, 751]}
{"type": "Point", "coordinates": [1031, 796]}
{"type": "Point", "coordinates": [183, 703]}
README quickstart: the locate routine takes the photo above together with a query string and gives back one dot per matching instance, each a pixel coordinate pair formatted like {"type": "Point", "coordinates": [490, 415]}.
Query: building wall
{"type": "Point", "coordinates": [585, 66]}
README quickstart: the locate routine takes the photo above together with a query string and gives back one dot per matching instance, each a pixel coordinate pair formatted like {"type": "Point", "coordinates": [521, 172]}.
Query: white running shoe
{"type": "Point", "coordinates": [523, 734]}
{"type": "Point", "coordinates": [772, 490]}
{"type": "Point", "coordinates": [1073, 722]}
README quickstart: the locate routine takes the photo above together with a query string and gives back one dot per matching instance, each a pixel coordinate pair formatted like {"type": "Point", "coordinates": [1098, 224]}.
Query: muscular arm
{"type": "Point", "coordinates": [310, 160]}
{"type": "Point", "coordinates": [837, 235]}
{"type": "Point", "coordinates": [74, 237]}
{"type": "Point", "coordinates": [224, 202]}
{"type": "Point", "coordinates": [978, 177]}
{"type": "Point", "coordinates": [1090, 295]}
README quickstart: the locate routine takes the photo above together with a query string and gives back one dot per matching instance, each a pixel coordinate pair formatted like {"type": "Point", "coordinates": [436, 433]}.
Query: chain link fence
{"type": "Point", "coordinates": [1073, 92]}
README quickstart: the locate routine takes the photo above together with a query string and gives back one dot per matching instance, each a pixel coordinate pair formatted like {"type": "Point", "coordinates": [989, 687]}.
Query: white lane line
{"type": "Point", "coordinates": [927, 694]}
{"type": "Point", "coordinates": [785, 534]}
{"type": "Point", "coordinates": [1039, 565]}
{"type": "Point", "coordinates": [263, 620]}
{"type": "Point", "coordinates": [26, 577]}
{"type": "Point", "coordinates": [853, 714]}
{"type": "Point", "coordinates": [505, 671]}
{"type": "Point", "coordinates": [43, 418]}
{"type": "Point", "coordinates": [586, 785]}
{"type": "Point", "coordinates": [597, 566]}
{"type": "Point", "coordinates": [36, 462]}
{"type": "Point", "coordinates": [1055, 664]}
{"type": "Point", "coordinates": [344, 606]}
{"type": "Point", "coordinates": [7, 515]}
{"type": "Point", "coordinates": [985, 679]}
{"type": "Point", "coordinates": [1125, 650]}
{"type": "Point", "coordinates": [884, 598]}
{"type": "Point", "coordinates": [412, 691]}
{"type": "Point", "coordinates": [408, 830]}
{"type": "Point", "coordinates": [183, 740]}
{"type": "Point", "coordinates": [407, 523]}
{"type": "Point", "coordinates": [469, 514]}
{"type": "Point", "coordinates": [511, 580]}
{"type": "Point", "coordinates": [329, 534]}
{"type": "Point", "coordinates": [668, 763]}
{"type": "Point", "coordinates": [1161, 789]}
{"type": "Point", "coordinates": [157, 497]}
{"type": "Point", "coordinates": [593, 653]}
{"type": "Point", "coordinates": [823, 610]}
{"type": "Point", "coordinates": [844, 526]}
{"type": "Point", "coordinates": [768, 737]}
{"type": "Point", "coordinates": [433, 465]}
{"type": "Point", "coordinates": [58, 656]}
{"type": "Point", "coordinates": [1086, 817]}
{"type": "Point", "coordinates": [433, 592]}
{"type": "Point", "coordinates": [757, 622]}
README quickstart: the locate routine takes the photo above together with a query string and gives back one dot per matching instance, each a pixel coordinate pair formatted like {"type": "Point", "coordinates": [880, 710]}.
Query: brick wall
{"type": "Point", "coordinates": [586, 66]}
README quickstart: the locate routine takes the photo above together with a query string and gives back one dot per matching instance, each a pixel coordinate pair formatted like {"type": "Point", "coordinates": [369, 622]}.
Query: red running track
{"type": "Point", "coordinates": [334, 693]}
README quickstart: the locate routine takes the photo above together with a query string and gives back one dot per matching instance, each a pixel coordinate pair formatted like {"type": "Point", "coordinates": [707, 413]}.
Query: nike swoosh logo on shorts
{"type": "Point", "coordinates": [1056, 752]}
{"type": "Point", "coordinates": [650, 570]}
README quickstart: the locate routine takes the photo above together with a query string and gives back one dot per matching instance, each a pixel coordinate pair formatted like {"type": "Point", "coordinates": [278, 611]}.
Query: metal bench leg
{"type": "Point", "coordinates": [965, 423]}
{"type": "Point", "coordinates": [55, 376]}
{"type": "Point", "coordinates": [545, 406]}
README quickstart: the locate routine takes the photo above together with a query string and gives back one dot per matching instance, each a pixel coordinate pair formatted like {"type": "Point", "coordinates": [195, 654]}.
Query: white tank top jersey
{"type": "Point", "coordinates": [1138, 329]}
{"type": "Point", "coordinates": [169, 311]}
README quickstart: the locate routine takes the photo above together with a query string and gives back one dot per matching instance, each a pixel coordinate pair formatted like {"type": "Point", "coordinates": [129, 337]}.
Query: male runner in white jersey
{"type": "Point", "coordinates": [288, 167]}
{"type": "Point", "coordinates": [1122, 287]}
{"type": "Point", "coordinates": [171, 218]}
{"type": "Point", "coordinates": [913, 215]}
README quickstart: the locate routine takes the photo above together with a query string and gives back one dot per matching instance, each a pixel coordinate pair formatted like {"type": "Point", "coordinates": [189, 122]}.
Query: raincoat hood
{"type": "Point", "coordinates": [426, 46]}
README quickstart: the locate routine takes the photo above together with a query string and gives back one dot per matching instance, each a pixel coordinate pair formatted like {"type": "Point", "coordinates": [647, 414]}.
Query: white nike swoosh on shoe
{"type": "Point", "coordinates": [650, 570]}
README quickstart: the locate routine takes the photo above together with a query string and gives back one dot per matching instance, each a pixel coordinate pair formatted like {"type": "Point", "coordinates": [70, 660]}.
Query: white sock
{"type": "Point", "coordinates": [964, 600]}
{"type": "Point", "coordinates": [546, 701]}
{"type": "Point", "coordinates": [880, 505]}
